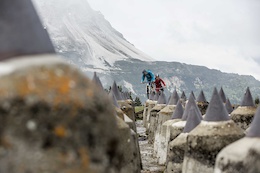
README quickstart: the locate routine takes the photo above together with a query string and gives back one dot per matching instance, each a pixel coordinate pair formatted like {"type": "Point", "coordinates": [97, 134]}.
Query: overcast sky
{"type": "Point", "coordinates": [219, 34]}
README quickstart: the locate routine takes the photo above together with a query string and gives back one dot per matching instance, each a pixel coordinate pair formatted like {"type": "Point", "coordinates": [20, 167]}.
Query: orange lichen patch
{"type": "Point", "coordinates": [60, 131]}
{"type": "Point", "coordinates": [58, 85]}
{"type": "Point", "coordinates": [84, 157]}
{"type": "Point", "coordinates": [90, 93]}
{"type": "Point", "coordinates": [5, 142]}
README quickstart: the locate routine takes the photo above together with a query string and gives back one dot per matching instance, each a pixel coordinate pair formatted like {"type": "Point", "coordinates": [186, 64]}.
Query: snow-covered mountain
{"type": "Point", "coordinates": [83, 36]}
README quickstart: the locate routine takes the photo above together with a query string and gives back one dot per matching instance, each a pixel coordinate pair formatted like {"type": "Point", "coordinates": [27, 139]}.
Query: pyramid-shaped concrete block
{"type": "Point", "coordinates": [116, 91]}
{"type": "Point", "coordinates": [97, 81]}
{"type": "Point", "coordinates": [162, 98]}
{"type": "Point", "coordinates": [156, 96]}
{"type": "Point", "coordinates": [21, 30]}
{"type": "Point", "coordinates": [229, 106]}
{"type": "Point", "coordinates": [177, 146]}
{"type": "Point", "coordinates": [192, 121]}
{"type": "Point", "coordinates": [191, 102]}
{"type": "Point", "coordinates": [201, 98]}
{"type": "Point", "coordinates": [193, 95]}
{"type": "Point", "coordinates": [242, 155]}
{"type": "Point", "coordinates": [244, 114]}
{"type": "Point", "coordinates": [174, 98]}
{"type": "Point", "coordinates": [254, 128]}
{"type": "Point", "coordinates": [177, 114]}
{"type": "Point", "coordinates": [214, 133]}
{"type": "Point", "coordinates": [152, 96]}
{"type": "Point", "coordinates": [183, 96]}
{"type": "Point", "coordinates": [247, 99]}
{"type": "Point", "coordinates": [113, 99]}
{"type": "Point", "coordinates": [222, 95]}
{"type": "Point", "coordinates": [216, 110]}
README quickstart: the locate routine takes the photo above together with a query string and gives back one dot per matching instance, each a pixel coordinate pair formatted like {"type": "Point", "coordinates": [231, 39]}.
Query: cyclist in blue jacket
{"type": "Point", "coordinates": [150, 78]}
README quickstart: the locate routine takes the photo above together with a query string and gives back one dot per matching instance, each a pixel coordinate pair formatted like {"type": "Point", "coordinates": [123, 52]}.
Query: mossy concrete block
{"type": "Point", "coordinates": [240, 156]}
{"type": "Point", "coordinates": [204, 143]}
{"type": "Point", "coordinates": [127, 109]}
{"type": "Point", "coordinates": [159, 145]}
{"type": "Point", "coordinates": [53, 119]}
{"type": "Point", "coordinates": [176, 128]}
{"type": "Point", "coordinates": [165, 139]}
{"type": "Point", "coordinates": [176, 153]}
{"type": "Point", "coordinates": [243, 116]}
{"type": "Point", "coordinates": [119, 113]}
{"type": "Point", "coordinates": [127, 146]}
{"type": "Point", "coordinates": [153, 121]}
{"type": "Point", "coordinates": [151, 104]}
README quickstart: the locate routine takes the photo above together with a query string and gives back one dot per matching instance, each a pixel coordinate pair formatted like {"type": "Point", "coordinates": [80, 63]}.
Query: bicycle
{"type": "Point", "coordinates": [160, 90]}
{"type": "Point", "coordinates": [149, 88]}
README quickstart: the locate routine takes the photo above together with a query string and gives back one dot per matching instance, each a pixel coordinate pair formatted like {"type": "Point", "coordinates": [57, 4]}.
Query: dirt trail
{"type": "Point", "coordinates": [149, 163]}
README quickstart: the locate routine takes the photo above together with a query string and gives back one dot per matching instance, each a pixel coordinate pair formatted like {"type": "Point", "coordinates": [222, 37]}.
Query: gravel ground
{"type": "Point", "coordinates": [149, 163]}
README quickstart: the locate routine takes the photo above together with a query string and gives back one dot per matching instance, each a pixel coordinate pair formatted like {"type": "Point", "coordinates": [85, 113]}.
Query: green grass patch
{"type": "Point", "coordinates": [139, 108]}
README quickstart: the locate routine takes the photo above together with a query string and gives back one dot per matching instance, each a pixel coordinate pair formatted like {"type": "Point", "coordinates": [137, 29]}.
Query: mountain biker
{"type": "Point", "coordinates": [149, 76]}
{"type": "Point", "coordinates": [159, 83]}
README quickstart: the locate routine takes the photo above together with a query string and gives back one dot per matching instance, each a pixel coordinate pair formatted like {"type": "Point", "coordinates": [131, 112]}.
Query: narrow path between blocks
{"type": "Point", "coordinates": [149, 163]}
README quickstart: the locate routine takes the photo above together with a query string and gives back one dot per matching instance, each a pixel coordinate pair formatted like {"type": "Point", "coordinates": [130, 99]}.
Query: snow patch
{"type": "Point", "coordinates": [129, 86]}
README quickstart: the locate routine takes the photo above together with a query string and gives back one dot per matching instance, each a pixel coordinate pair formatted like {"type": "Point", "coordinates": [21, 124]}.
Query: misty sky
{"type": "Point", "coordinates": [219, 34]}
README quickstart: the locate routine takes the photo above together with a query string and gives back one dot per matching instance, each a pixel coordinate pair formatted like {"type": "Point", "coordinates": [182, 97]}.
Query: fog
{"type": "Point", "coordinates": [222, 34]}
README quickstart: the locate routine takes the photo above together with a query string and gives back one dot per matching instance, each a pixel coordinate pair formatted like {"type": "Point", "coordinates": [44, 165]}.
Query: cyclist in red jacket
{"type": "Point", "coordinates": [159, 83]}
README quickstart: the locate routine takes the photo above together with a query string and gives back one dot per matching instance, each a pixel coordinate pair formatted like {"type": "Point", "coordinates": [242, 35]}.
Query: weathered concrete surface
{"type": "Point", "coordinates": [243, 116]}
{"type": "Point", "coordinates": [128, 110]}
{"type": "Point", "coordinates": [239, 157]}
{"type": "Point", "coordinates": [166, 133]}
{"type": "Point", "coordinates": [136, 152]}
{"type": "Point", "coordinates": [178, 145]}
{"type": "Point", "coordinates": [204, 143]}
{"type": "Point", "coordinates": [176, 154]}
{"type": "Point", "coordinates": [243, 155]}
{"type": "Point", "coordinates": [145, 112]}
{"type": "Point", "coordinates": [176, 128]}
{"type": "Point", "coordinates": [151, 104]}
{"type": "Point", "coordinates": [165, 139]}
{"type": "Point", "coordinates": [53, 119]}
{"type": "Point", "coordinates": [129, 161]}
{"type": "Point", "coordinates": [159, 143]}
{"type": "Point", "coordinates": [153, 121]}
{"type": "Point", "coordinates": [120, 113]}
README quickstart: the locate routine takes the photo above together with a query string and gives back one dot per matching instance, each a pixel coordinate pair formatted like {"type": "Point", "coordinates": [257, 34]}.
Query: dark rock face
{"type": "Point", "coordinates": [53, 119]}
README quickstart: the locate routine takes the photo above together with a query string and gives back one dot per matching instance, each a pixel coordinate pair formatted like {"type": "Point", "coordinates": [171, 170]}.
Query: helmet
{"type": "Point", "coordinates": [157, 75]}
{"type": "Point", "coordinates": [144, 71]}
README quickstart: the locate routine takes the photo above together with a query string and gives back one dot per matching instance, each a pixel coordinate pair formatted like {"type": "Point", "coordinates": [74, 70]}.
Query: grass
{"type": "Point", "coordinates": [138, 108]}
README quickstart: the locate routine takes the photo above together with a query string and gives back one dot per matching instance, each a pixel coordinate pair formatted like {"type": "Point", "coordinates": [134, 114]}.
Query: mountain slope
{"type": "Point", "coordinates": [83, 36]}
{"type": "Point", "coordinates": [184, 77]}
